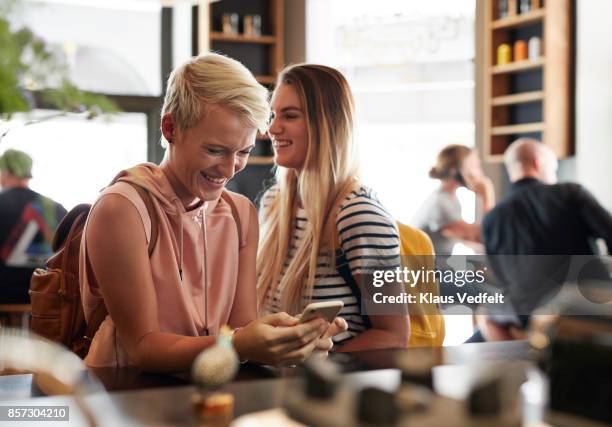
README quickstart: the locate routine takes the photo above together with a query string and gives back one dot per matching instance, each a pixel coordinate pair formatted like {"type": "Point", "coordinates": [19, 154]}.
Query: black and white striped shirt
{"type": "Point", "coordinates": [369, 238]}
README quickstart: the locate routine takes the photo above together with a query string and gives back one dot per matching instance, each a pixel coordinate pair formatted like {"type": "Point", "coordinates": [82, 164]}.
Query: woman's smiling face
{"type": "Point", "coordinates": [206, 156]}
{"type": "Point", "coordinates": [288, 128]}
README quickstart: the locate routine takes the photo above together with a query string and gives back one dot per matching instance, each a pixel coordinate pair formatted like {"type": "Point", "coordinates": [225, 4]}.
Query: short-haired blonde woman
{"type": "Point", "coordinates": [318, 206]}
{"type": "Point", "coordinates": [167, 307]}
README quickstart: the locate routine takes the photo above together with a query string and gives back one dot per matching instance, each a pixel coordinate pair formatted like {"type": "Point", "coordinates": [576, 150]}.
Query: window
{"type": "Point", "coordinates": [112, 46]}
{"type": "Point", "coordinates": [75, 158]}
{"type": "Point", "coordinates": [410, 65]}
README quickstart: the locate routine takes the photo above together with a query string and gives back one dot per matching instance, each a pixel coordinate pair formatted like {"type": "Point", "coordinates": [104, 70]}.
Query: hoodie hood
{"type": "Point", "coordinates": [152, 178]}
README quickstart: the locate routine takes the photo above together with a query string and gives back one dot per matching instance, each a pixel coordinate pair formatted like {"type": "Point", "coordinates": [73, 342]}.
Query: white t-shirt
{"type": "Point", "coordinates": [440, 209]}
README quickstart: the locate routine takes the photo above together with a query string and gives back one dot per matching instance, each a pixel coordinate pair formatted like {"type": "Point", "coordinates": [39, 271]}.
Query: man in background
{"type": "Point", "coordinates": [531, 234]}
{"type": "Point", "coordinates": [27, 223]}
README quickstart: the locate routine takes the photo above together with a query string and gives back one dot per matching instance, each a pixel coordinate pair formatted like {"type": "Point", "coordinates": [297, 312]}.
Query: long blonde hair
{"type": "Point", "coordinates": [329, 173]}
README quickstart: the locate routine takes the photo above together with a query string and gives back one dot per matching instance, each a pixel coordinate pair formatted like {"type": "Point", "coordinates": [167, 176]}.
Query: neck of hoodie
{"type": "Point", "coordinates": [187, 199]}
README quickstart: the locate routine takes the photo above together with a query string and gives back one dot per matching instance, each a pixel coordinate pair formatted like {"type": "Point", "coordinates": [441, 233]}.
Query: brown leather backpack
{"type": "Point", "coordinates": [55, 294]}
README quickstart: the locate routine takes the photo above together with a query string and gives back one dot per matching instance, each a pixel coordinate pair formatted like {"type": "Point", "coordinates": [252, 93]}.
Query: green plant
{"type": "Point", "coordinates": [29, 70]}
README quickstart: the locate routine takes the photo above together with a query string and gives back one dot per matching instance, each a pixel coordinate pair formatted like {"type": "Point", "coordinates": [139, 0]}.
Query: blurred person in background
{"type": "Point", "coordinates": [440, 215]}
{"type": "Point", "coordinates": [533, 232]}
{"type": "Point", "coordinates": [27, 224]}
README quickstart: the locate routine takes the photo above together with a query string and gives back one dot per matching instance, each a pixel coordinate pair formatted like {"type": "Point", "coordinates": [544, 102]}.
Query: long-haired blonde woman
{"type": "Point", "coordinates": [318, 206]}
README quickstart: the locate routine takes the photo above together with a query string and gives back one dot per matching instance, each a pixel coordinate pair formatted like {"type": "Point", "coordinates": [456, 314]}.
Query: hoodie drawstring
{"type": "Point", "coordinates": [180, 208]}
{"type": "Point", "coordinates": [203, 224]}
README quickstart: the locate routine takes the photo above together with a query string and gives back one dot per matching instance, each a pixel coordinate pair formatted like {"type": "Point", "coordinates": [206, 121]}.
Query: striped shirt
{"type": "Point", "coordinates": [369, 239]}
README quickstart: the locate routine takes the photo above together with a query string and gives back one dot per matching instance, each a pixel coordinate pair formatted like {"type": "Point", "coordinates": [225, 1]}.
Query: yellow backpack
{"type": "Point", "coordinates": [416, 250]}
{"type": "Point", "coordinates": [426, 322]}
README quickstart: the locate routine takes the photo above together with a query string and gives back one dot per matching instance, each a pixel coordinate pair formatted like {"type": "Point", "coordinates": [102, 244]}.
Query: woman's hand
{"type": "Point", "coordinates": [278, 339]}
{"type": "Point", "coordinates": [324, 342]}
{"type": "Point", "coordinates": [483, 187]}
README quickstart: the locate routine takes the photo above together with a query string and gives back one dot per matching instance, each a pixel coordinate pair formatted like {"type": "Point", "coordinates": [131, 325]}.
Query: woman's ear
{"type": "Point", "coordinates": [168, 127]}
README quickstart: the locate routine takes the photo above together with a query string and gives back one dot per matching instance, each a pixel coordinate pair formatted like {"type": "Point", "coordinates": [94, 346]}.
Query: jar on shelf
{"type": "Point", "coordinates": [257, 25]}
{"type": "Point", "coordinates": [504, 54]}
{"type": "Point", "coordinates": [520, 50]}
{"type": "Point", "coordinates": [502, 9]}
{"type": "Point", "coordinates": [247, 25]}
{"type": "Point", "coordinates": [524, 6]}
{"type": "Point", "coordinates": [534, 47]}
{"type": "Point", "coordinates": [229, 23]}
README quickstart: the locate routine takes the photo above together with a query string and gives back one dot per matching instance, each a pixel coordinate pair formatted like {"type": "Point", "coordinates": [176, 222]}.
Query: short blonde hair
{"type": "Point", "coordinates": [214, 79]}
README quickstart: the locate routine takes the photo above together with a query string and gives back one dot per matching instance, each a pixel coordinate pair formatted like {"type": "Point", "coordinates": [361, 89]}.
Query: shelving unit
{"type": "Point", "coordinates": [530, 97]}
{"type": "Point", "coordinates": [263, 55]}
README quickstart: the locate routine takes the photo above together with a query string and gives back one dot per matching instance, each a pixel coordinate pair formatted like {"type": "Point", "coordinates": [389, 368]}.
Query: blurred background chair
{"type": "Point", "coordinates": [16, 315]}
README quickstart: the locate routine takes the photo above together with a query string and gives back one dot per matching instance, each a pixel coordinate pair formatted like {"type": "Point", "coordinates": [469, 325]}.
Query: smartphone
{"type": "Point", "coordinates": [459, 178]}
{"type": "Point", "coordinates": [327, 310]}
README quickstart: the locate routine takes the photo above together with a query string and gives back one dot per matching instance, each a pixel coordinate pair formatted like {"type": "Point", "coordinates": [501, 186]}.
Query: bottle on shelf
{"type": "Point", "coordinates": [229, 23]}
{"type": "Point", "coordinates": [502, 9]}
{"type": "Point", "coordinates": [535, 47]}
{"type": "Point", "coordinates": [520, 50]}
{"type": "Point", "coordinates": [247, 25]}
{"type": "Point", "coordinates": [257, 25]}
{"type": "Point", "coordinates": [504, 54]}
{"type": "Point", "coordinates": [524, 6]}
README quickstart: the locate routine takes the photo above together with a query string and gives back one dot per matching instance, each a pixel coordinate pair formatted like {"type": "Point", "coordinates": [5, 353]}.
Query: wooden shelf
{"type": "Point", "coordinates": [266, 80]}
{"type": "Point", "coordinates": [494, 158]}
{"type": "Point", "coordinates": [262, 55]}
{"type": "Point", "coordinates": [240, 38]}
{"type": "Point", "coordinates": [519, 20]}
{"type": "Point", "coordinates": [517, 129]}
{"type": "Point", "coordinates": [518, 98]}
{"type": "Point", "coordinates": [261, 160]}
{"type": "Point", "coordinates": [533, 96]}
{"type": "Point", "coordinates": [518, 66]}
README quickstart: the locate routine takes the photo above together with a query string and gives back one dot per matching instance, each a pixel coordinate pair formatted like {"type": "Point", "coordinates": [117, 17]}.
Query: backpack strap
{"type": "Point", "coordinates": [148, 201]}
{"type": "Point", "coordinates": [96, 319]}
{"type": "Point", "coordinates": [69, 228]}
{"type": "Point", "coordinates": [344, 270]}
{"type": "Point", "coordinates": [66, 225]}
{"type": "Point", "coordinates": [100, 312]}
{"type": "Point", "coordinates": [226, 196]}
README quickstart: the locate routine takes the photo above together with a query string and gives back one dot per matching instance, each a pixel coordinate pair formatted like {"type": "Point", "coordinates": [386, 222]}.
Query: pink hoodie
{"type": "Point", "coordinates": [202, 243]}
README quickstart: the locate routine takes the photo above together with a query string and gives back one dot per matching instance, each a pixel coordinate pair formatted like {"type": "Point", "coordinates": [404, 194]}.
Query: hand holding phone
{"type": "Point", "coordinates": [327, 310]}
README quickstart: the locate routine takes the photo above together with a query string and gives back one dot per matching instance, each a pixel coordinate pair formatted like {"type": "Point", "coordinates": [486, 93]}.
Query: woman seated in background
{"type": "Point", "coordinates": [166, 308]}
{"type": "Point", "coordinates": [440, 216]}
{"type": "Point", "coordinates": [318, 206]}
